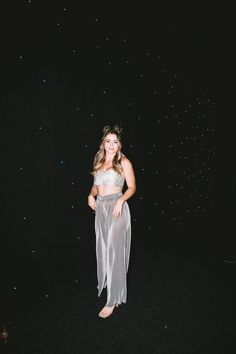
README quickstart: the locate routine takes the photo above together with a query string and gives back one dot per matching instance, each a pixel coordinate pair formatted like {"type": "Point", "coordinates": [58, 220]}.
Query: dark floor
{"type": "Point", "coordinates": [181, 299]}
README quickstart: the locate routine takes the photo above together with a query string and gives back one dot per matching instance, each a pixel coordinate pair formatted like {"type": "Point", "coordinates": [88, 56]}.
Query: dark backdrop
{"type": "Point", "coordinates": [67, 70]}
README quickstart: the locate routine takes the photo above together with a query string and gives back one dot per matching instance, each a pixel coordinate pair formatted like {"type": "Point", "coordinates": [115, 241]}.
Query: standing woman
{"type": "Point", "coordinates": [112, 217]}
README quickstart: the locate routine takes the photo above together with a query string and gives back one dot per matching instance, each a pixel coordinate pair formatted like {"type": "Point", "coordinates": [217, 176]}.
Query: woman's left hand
{"type": "Point", "coordinates": [117, 208]}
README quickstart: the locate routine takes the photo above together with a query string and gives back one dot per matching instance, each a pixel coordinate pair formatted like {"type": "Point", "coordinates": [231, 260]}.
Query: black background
{"type": "Point", "coordinates": [51, 130]}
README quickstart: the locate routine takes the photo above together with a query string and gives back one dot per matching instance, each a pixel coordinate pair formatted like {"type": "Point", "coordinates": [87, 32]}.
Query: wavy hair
{"type": "Point", "coordinates": [100, 156]}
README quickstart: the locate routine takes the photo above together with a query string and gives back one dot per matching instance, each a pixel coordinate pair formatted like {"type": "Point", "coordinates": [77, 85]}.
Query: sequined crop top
{"type": "Point", "coordinates": [109, 177]}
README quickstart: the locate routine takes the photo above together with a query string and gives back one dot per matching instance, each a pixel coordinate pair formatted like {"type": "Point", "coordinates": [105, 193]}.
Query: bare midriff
{"type": "Point", "coordinates": [108, 189]}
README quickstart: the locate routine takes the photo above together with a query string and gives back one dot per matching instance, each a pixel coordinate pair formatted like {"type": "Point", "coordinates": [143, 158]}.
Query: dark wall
{"type": "Point", "coordinates": [66, 72]}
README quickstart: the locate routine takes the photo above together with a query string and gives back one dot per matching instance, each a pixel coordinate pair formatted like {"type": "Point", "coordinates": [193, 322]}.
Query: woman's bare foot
{"type": "Point", "coordinates": [106, 311]}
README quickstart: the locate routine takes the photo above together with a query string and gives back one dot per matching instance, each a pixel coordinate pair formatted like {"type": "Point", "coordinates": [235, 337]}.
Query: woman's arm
{"type": "Point", "coordinates": [94, 191]}
{"type": "Point", "coordinates": [130, 179]}
{"type": "Point", "coordinates": [91, 199]}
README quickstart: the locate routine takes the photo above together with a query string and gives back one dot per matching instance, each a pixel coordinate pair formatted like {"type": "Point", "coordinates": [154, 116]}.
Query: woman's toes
{"type": "Point", "coordinates": [101, 313]}
{"type": "Point", "coordinates": [106, 311]}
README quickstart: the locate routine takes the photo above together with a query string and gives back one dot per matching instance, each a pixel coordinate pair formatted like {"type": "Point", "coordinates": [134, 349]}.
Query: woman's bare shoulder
{"type": "Point", "coordinates": [125, 161]}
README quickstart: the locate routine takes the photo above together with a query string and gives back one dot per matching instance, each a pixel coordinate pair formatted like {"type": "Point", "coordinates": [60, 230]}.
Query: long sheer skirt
{"type": "Point", "coordinates": [113, 241]}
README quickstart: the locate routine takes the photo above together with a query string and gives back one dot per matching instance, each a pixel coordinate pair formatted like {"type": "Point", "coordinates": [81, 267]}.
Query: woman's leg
{"type": "Point", "coordinates": [118, 251]}
{"type": "Point", "coordinates": [113, 239]}
{"type": "Point", "coordinates": [101, 241]}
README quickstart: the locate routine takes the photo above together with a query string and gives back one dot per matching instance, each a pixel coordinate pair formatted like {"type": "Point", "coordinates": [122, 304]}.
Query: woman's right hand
{"type": "Point", "coordinates": [92, 202]}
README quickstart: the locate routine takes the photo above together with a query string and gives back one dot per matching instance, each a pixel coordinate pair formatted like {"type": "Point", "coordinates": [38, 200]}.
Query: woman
{"type": "Point", "coordinates": [112, 217]}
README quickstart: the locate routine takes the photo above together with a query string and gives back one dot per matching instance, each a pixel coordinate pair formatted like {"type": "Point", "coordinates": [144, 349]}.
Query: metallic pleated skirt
{"type": "Point", "coordinates": [113, 241]}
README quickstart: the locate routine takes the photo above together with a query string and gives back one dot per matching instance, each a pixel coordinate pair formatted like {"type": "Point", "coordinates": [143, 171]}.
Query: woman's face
{"type": "Point", "coordinates": [111, 144]}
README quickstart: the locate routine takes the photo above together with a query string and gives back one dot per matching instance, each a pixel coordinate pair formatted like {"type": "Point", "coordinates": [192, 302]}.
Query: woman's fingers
{"type": "Point", "coordinates": [116, 214]}
{"type": "Point", "coordinates": [92, 205]}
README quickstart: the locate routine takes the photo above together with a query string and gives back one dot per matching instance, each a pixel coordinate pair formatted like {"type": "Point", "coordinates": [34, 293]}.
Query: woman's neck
{"type": "Point", "coordinates": [109, 159]}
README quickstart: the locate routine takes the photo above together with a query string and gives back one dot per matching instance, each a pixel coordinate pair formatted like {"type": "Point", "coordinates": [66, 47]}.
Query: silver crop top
{"type": "Point", "coordinates": [109, 177]}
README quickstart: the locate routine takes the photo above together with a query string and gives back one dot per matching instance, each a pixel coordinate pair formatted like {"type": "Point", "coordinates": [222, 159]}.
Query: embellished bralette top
{"type": "Point", "coordinates": [109, 177]}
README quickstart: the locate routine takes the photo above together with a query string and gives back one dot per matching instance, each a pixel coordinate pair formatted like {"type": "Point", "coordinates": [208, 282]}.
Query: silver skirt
{"type": "Point", "coordinates": [113, 240]}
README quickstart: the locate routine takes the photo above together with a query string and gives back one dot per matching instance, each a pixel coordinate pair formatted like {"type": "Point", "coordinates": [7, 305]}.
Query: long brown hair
{"type": "Point", "coordinates": [100, 156]}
